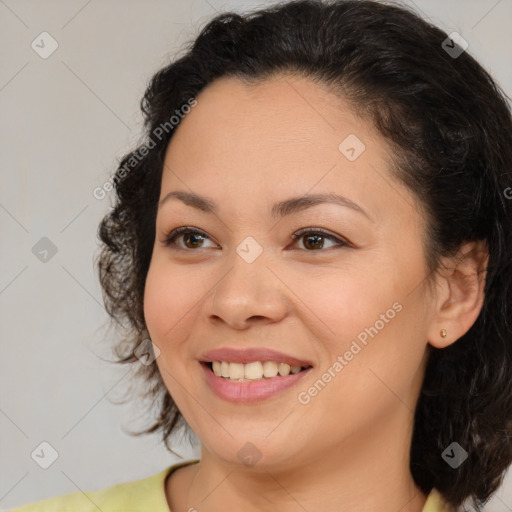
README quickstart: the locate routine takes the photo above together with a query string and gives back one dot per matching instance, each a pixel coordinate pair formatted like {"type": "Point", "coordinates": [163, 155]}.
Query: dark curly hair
{"type": "Point", "coordinates": [449, 129]}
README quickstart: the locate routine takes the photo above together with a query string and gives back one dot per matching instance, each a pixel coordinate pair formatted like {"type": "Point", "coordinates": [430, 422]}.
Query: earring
{"type": "Point", "coordinates": [443, 333]}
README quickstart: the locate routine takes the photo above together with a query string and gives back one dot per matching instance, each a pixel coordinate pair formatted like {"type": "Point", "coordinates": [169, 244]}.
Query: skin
{"type": "Point", "coordinates": [246, 148]}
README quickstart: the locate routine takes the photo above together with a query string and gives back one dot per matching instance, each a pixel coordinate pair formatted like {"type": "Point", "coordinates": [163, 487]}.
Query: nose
{"type": "Point", "coordinates": [248, 293]}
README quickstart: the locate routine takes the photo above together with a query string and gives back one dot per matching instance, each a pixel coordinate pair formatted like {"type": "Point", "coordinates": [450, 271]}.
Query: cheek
{"type": "Point", "coordinates": [371, 319]}
{"type": "Point", "coordinates": [153, 306]}
{"type": "Point", "coordinates": [164, 305]}
{"type": "Point", "coordinates": [341, 302]}
{"type": "Point", "coordinates": [386, 354]}
{"type": "Point", "coordinates": [164, 301]}
{"type": "Point", "coordinates": [172, 296]}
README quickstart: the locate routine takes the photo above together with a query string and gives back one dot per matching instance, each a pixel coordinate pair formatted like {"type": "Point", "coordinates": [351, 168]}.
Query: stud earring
{"type": "Point", "coordinates": [443, 333]}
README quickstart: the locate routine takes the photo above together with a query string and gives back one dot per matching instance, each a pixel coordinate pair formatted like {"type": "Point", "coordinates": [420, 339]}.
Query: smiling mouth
{"type": "Point", "coordinates": [253, 371]}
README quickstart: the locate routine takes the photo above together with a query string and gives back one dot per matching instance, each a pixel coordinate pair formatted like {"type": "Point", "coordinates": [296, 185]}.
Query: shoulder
{"type": "Point", "coordinates": [436, 503]}
{"type": "Point", "coordinates": [121, 497]}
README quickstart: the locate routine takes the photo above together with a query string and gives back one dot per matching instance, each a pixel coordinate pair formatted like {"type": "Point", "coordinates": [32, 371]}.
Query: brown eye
{"type": "Point", "coordinates": [314, 239]}
{"type": "Point", "coordinates": [192, 238]}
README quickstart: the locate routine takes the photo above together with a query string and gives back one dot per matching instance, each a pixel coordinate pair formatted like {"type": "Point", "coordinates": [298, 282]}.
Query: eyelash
{"type": "Point", "coordinates": [175, 233]}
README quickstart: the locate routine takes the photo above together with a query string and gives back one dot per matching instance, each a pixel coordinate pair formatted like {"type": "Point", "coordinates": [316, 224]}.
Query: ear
{"type": "Point", "coordinates": [460, 284]}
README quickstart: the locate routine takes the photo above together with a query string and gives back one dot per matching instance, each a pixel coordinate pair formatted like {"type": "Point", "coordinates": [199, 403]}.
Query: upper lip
{"type": "Point", "coordinates": [248, 355]}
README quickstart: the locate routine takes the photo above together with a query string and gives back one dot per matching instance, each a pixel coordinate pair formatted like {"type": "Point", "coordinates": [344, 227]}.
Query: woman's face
{"type": "Point", "coordinates": [354, 307]}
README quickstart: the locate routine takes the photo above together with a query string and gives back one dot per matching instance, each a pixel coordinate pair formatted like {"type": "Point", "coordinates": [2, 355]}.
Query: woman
{"type": "Point", "coordinates": [315, 236]}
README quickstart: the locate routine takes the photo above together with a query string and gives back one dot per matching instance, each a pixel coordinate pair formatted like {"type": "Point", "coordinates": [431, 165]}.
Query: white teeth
{"type": "Point", "coordinates": [284, 369]}
{"type": "Point", "coordinates": [224, 369]}
{"type": "Point", "coordinates": [270, 369]}
{"type": "Point", "coordinates": [237, 371]}
{"type": "Point", "coordinates": [255, 370]}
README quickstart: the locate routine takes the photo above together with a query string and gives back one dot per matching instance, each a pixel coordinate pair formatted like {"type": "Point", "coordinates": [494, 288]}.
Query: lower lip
{"type": "Point", "coordinates": [247, 392]}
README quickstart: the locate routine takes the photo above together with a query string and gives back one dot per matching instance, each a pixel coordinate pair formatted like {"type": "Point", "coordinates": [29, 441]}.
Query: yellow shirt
{"type": "Point", "coordinates": [146, 495]}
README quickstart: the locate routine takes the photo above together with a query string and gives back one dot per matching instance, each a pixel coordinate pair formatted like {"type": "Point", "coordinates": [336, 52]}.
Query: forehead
{"type": "Point", "coordinates": [275, 138]}
{"type": "Point", "coordinates": [281, 109]}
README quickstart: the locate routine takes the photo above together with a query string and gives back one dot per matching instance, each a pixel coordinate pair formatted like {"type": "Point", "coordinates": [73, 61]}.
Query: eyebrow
{"type": "Point", "coordinates": [280, 209]}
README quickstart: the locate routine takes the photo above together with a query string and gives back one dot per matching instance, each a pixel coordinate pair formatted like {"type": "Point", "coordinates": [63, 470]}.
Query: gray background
{"type": "Point", "coordinates": [64, 122]}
